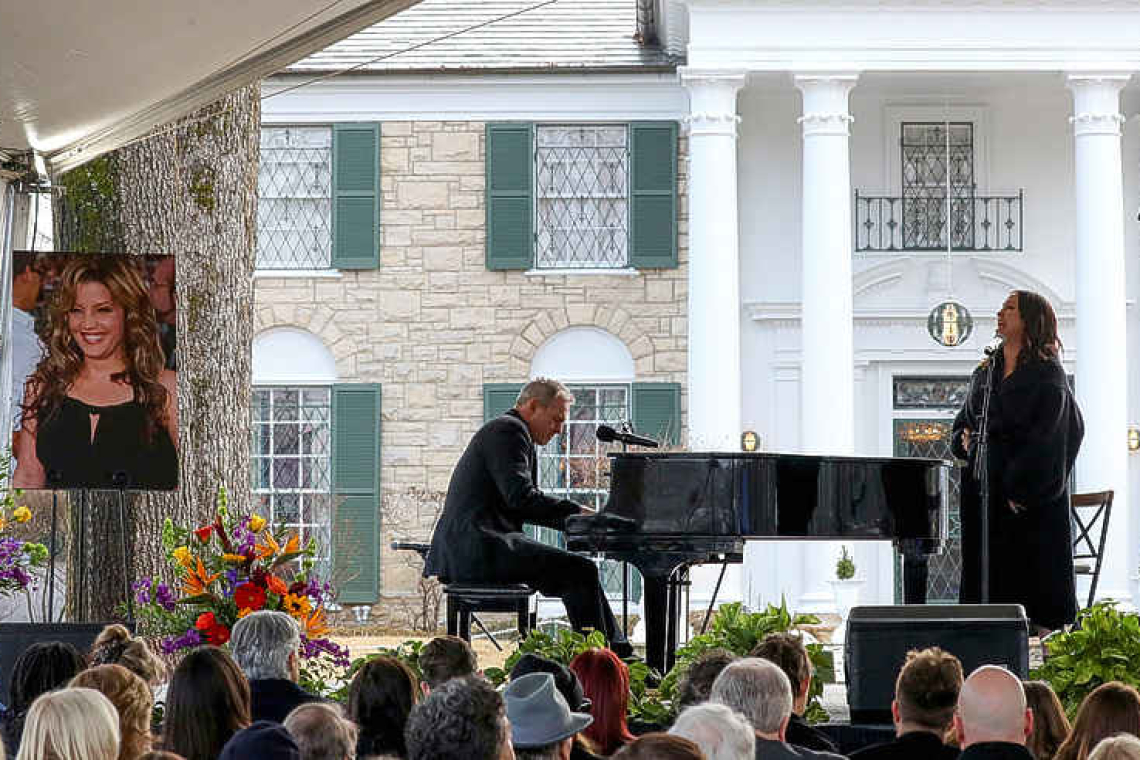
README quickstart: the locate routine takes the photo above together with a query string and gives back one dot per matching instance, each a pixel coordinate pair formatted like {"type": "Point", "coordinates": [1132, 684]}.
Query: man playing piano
{"type": "Point", "coordinates": [479, 537]}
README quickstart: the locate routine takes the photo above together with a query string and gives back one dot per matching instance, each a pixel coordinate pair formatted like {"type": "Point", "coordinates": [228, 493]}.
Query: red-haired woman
{"type": "Point", "coordinates": [605, 681]}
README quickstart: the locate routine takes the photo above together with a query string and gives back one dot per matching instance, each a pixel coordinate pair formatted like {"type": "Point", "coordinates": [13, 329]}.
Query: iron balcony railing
{"type": "Point", "coordinates": [978, 223]}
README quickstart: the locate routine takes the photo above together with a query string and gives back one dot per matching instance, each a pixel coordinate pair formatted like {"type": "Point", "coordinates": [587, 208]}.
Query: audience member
{"type": "Point", "coordinates": [322, 732]}
{"type": "Point", "coordinates": [116, 646]}
{"type": "Point", "coordinates": [696, 683]}
{"type": "Point", "coordinates": [568, 686]}
{"type": "Point", "coordinates": [926, 695]}
{"type": "Point", "coordinates": [542, 724]}
{"type": "Point", "coordinates": [381, 695]}
{"type": "Point", "coordinates": [266, 645]}
{"type": "Point", "coordinates": [1109, 709]}
{"type": "Point", "coordinates": [1050, 724]}
{"type": "Point", "coordinates": [720, 732]}
{"type": "Point", "coordinates": [605, 681]}
{"type": "Point", "coordinates": [207, 703]}
{"type": "Point", "coordinates": [1119, 747]}
{"type": "Point", "coordinates": [132, 700]}
{"type": "Point", "coordinates": [760, 691]}
{"type": "Point", "coordinates": [444, 658]}
{"type": "Point", "coordinates": [993, 720]}
{"type": "Point", "coordinates": [263, 740]}
{"type": "Point", "coordinates": [71, 724]}
{"type": "Point", "coordinates": [660, 746]}
{"type": "Point", "coordinates": [40, 668]}
{"type": "Point", "coordinates": [788, 652]}
{"type": "Point", "coordinates": [161, 754]}
{"type": "Point", "coordinates": [461, 718]}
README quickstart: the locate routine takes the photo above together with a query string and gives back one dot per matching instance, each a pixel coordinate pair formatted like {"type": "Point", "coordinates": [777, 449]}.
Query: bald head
{"type": "Point", "coordinates": [992, 708]}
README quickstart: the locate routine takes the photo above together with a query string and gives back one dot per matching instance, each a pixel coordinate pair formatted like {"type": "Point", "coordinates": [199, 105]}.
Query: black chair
{"type": "Point", "coordinates": [466, 599]}
{"type": "Point", "coordinates": [1090, 513]}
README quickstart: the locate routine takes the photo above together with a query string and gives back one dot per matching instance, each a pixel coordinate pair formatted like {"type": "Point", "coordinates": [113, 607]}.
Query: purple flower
{"type": "Point", "coordinates": [164, 596]}
{"type": "Point", "coordinates": [142, 591]}
{"type": "Point", "coordinates": [312, 648]}
{"type": "Point", "coordinates": [172, 644]}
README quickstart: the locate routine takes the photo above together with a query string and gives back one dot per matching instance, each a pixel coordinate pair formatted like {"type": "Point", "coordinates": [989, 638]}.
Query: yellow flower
{"type": "Point", "coordinates": [183, 555]}
{"type": "Point", "coordinates": [236, 558]}
{"type": "Point", "coordinates": [243, 612]}
{"type": "Point", "coordinates": [297, 606]}
{"type": "Point", "coordinates": [256, 523]}
{"type": "Point", "coordinates": [22, 514]}
{"type": "Point", "coordinates": [3, 524]}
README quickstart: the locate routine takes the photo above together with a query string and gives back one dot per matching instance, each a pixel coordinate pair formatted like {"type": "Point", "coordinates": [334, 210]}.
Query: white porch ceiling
{"type": "Point", "coordinates": [81, 77]}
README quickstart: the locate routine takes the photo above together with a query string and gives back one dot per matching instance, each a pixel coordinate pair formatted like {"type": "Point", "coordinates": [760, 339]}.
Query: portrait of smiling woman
{"type": "Point", "coordinates": [100, 410]}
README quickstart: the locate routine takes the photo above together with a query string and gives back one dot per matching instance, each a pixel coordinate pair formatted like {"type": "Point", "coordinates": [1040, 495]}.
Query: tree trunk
{"type": "Point", "coordinates": [190, 190]}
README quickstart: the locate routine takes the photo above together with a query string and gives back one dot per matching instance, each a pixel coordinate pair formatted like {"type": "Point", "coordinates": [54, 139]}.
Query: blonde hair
{"type": "Point", "coordinates": [116, 646]}
{"type": "Point", "coordinates": [1119, 747]}
{"type": "Point", "coordinates": [71, 724]}
{"type": "Point", "coordinates": [132, 700]}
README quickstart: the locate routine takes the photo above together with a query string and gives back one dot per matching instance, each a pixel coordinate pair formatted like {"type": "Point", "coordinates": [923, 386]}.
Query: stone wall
{"type": "Point", "coordinates": [432, 324]}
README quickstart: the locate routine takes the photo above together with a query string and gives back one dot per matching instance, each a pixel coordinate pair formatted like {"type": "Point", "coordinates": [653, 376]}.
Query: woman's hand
{"type": "Point", "coordinates": [966, 433]}
{"type": "Point", "coordinates": [1016, 508]}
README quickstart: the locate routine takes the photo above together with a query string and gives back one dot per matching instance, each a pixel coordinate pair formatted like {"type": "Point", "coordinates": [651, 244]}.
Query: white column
{"type": "Point", "coordinates": [827, 419]}
{"type": "Point", "coordinates": [1102, 362]}
{"type": "Point", "coordinates": [714, 261]}
{"type": "Point", "coordinates": [827, 393]}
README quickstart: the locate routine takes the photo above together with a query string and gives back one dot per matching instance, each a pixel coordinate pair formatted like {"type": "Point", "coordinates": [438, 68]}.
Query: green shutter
{"type": "Point", "coordinates": [657, 411]}
{"type": "Point", "coordinates": [510, 196]}
{"type": "Point", "coordinates": [653, 195]}
{"type": "Point", "coordinates": [356, 196]}
{"type": "Point", "coordinates": [356, 492]}
{"type": "Point", "coordinates": [498, 398]}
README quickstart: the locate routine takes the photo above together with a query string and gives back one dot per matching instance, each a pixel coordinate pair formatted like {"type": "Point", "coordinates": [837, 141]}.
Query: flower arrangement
{"type": "Point", "coordinates": [226, 570]}
{"type": "Point", "coordinates": [18, 558]}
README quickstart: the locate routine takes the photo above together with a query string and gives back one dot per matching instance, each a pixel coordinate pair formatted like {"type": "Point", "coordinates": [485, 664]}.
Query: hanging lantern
{"type": "Point", "coordinates": [949, 323]}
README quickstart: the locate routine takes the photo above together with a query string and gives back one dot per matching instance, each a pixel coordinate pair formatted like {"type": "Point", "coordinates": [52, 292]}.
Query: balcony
{"type": "Point", "coordinates": [979, 223]}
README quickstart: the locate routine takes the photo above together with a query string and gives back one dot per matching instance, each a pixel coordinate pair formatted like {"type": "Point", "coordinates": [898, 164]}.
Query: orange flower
{"type": "Point", "coordinates": [315, 625]}
{"type": "Point", "coordinates": [243, 612]}
{"type": "Point", "coordinates": [269, 548]}
{"type": "Point", "coordinates": [195, 582]}
{"type": "Point", "coordinates": [276, 585]}
{"type": "Point", "coordinates": [235, 558]}
{"type": "Point", "coordinates": [293, 544]}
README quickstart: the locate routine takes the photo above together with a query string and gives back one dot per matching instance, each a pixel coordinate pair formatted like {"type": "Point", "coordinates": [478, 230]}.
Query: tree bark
{"type": "Point", "coordinates": [190, 190]}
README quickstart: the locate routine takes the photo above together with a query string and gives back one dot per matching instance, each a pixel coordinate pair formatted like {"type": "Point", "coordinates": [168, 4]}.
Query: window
{"type": "Point", "coordinates": [292, 459]}
{"type": "Point", "coordinates": [930, 151]}
{"type": "Point", "coordinates": [294, 209]}
{"type": "Point", "coordinates": [582, 198]}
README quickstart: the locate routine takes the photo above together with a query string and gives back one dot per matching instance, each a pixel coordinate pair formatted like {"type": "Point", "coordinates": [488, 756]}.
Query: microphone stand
{"type": "Point", "coordinates": [982, 476]}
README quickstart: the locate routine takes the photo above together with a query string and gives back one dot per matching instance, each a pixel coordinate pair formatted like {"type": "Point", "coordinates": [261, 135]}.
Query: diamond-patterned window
{"type": "Point", "coordinates": [291, 459]}
{"type": "Point", "coordinates": [294, 205]}
{"type": "Point", "coordinates": [582, 197]}
{"type": "Point", "coordinates": [930, 151]}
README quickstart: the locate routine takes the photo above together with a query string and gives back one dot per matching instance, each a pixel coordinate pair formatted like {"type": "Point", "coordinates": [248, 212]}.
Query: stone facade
{"type": "Point", "coordinates": [432, 324]}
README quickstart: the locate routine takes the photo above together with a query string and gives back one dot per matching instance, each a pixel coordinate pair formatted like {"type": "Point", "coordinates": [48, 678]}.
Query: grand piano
{"type": "Point", "coordinates": [669, 511]}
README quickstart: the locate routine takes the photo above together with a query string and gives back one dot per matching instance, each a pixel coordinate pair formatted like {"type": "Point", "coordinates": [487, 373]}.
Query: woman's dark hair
{"type": "Point", "coordinates": [1109, 709]}
{"type": "Point", "coordinates": [42, 667]}
{"type": "Point", "coordinates": [208, 701]}
{"type": "Point", "coordinates": [380, 698]}
{"type": "Point", "coordinates": [1040, 326]}
{"type": "Point", "coordinates": [660, 747]}
{"type": "Point", "coordinates": [1050, 724]}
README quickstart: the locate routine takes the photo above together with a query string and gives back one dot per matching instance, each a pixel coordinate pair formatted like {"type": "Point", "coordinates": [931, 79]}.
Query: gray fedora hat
{"type": "Point", "coordinates": [538, 712]}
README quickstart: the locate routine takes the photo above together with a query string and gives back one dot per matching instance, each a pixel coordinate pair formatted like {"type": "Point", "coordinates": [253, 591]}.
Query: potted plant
{"type": "Point", "coordinates": [846, 586]}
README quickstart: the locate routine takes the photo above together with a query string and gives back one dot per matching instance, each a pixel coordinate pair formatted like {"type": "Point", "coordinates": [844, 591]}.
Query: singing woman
{"type": "Point", "coordinates": [1034, 432]}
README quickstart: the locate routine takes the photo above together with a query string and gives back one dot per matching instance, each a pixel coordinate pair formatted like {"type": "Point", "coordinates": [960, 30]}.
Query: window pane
{"type": "Point", "coordinates": [294, 210]}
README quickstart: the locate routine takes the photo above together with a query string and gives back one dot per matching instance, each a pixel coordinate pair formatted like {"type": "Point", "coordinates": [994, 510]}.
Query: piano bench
{"type": "Point", "coordinates": [465, 599]}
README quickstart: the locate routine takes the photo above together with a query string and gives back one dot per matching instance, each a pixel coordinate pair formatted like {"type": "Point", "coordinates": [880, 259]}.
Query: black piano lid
{"type": "Point", "coordinates": [772, 455]}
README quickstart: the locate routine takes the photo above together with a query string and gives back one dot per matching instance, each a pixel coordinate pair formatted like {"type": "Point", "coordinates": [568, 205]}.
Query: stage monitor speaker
{"type": "Point", "coordinates": [878, 639]}
{"type": "Point", "coordinates": [16, 637]}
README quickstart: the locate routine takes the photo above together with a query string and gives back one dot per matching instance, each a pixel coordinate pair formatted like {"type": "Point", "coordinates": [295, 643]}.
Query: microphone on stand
{"type": "Point", "coordinates": [607, 434]}
{"type": "Point", "coordinates": [993, 345]}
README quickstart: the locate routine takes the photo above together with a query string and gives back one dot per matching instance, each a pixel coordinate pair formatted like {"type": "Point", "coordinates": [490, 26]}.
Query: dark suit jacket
{"type": "Point", "coordinates": [491, 494]}
{"type": "Point", "coordinates": [996, 751]}
{"type": "Point", "coordinates": [274, 698]}
{"type": "Point", "coordinates": [916, 744]}
{"type": "Point", "coordinates": [768, 749]}
{"type": "Point", "coordinates": [801, 734]}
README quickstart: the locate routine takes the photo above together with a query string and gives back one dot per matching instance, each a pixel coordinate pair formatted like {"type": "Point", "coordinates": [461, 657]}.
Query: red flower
{"type": "Point", "coordinates": [218, 635]}
{"type": "Point", "coordinates": [299, 588]}
{"type": "Point", "coordinates": [249, 596]}
{"type": "Point", "coordinates": [205, 622]}
{"type": "Point", "coordinates": [204, 532]}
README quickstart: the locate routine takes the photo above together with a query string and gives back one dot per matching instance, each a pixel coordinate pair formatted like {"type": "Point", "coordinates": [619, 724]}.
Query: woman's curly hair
{"type": "Point", "coordinates": [63, 359]}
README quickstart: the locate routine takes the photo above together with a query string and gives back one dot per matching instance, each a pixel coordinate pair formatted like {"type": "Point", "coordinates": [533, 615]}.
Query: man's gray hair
{"type": "Point", "coordinates": [721, 732]}
{"type": "Point", "coordinates": [545, 391]}
{"type": "Point", "coordinates": [321, 732]}
{"type": "Point", "coordinates": [758, 690]}
{"type": "Point", "coordinates": [262, 642]}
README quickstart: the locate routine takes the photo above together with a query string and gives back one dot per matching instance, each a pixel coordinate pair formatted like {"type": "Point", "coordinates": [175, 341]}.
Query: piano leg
{"type": "Point", "coordinates": [916, 571]}
{"type": "Point", "coordinates": [655, 606]}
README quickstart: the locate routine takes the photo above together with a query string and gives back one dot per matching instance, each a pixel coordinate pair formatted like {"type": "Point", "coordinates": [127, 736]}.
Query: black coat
{"type": "Point", "coordinates": [492, 493]}
{"type": "Point", "coordinates": [802, 734]}
{"type": "Point", "coordinates": [1035, 431]}
{"type": "Point", "coordinates": [913, 745]}
{"type": "Point", "coordinates": [274, 698]}
{"type": "Point", "coordinates": [769, 749]}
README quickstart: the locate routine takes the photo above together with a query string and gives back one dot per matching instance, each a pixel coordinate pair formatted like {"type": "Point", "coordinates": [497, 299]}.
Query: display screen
{"type": "Point", "coordinates": [94, 400]}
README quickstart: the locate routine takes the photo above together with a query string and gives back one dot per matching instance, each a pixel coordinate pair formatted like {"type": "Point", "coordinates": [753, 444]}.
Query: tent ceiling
{"type": "Point", "coordinates": [82, 77]}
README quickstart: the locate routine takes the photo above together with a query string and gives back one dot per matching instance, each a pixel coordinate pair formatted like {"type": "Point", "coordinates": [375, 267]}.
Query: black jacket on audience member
{"type": "Point", "coordinates": [996, 751]}
{"type": "Point", "coordinates": [915, 744]}
{"type": "Point", "coordinates": [769, 749]}
{"type": "Point", "coordinates": [274, 698]}
{"type": "Point", "coordinates": [801, 734]}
